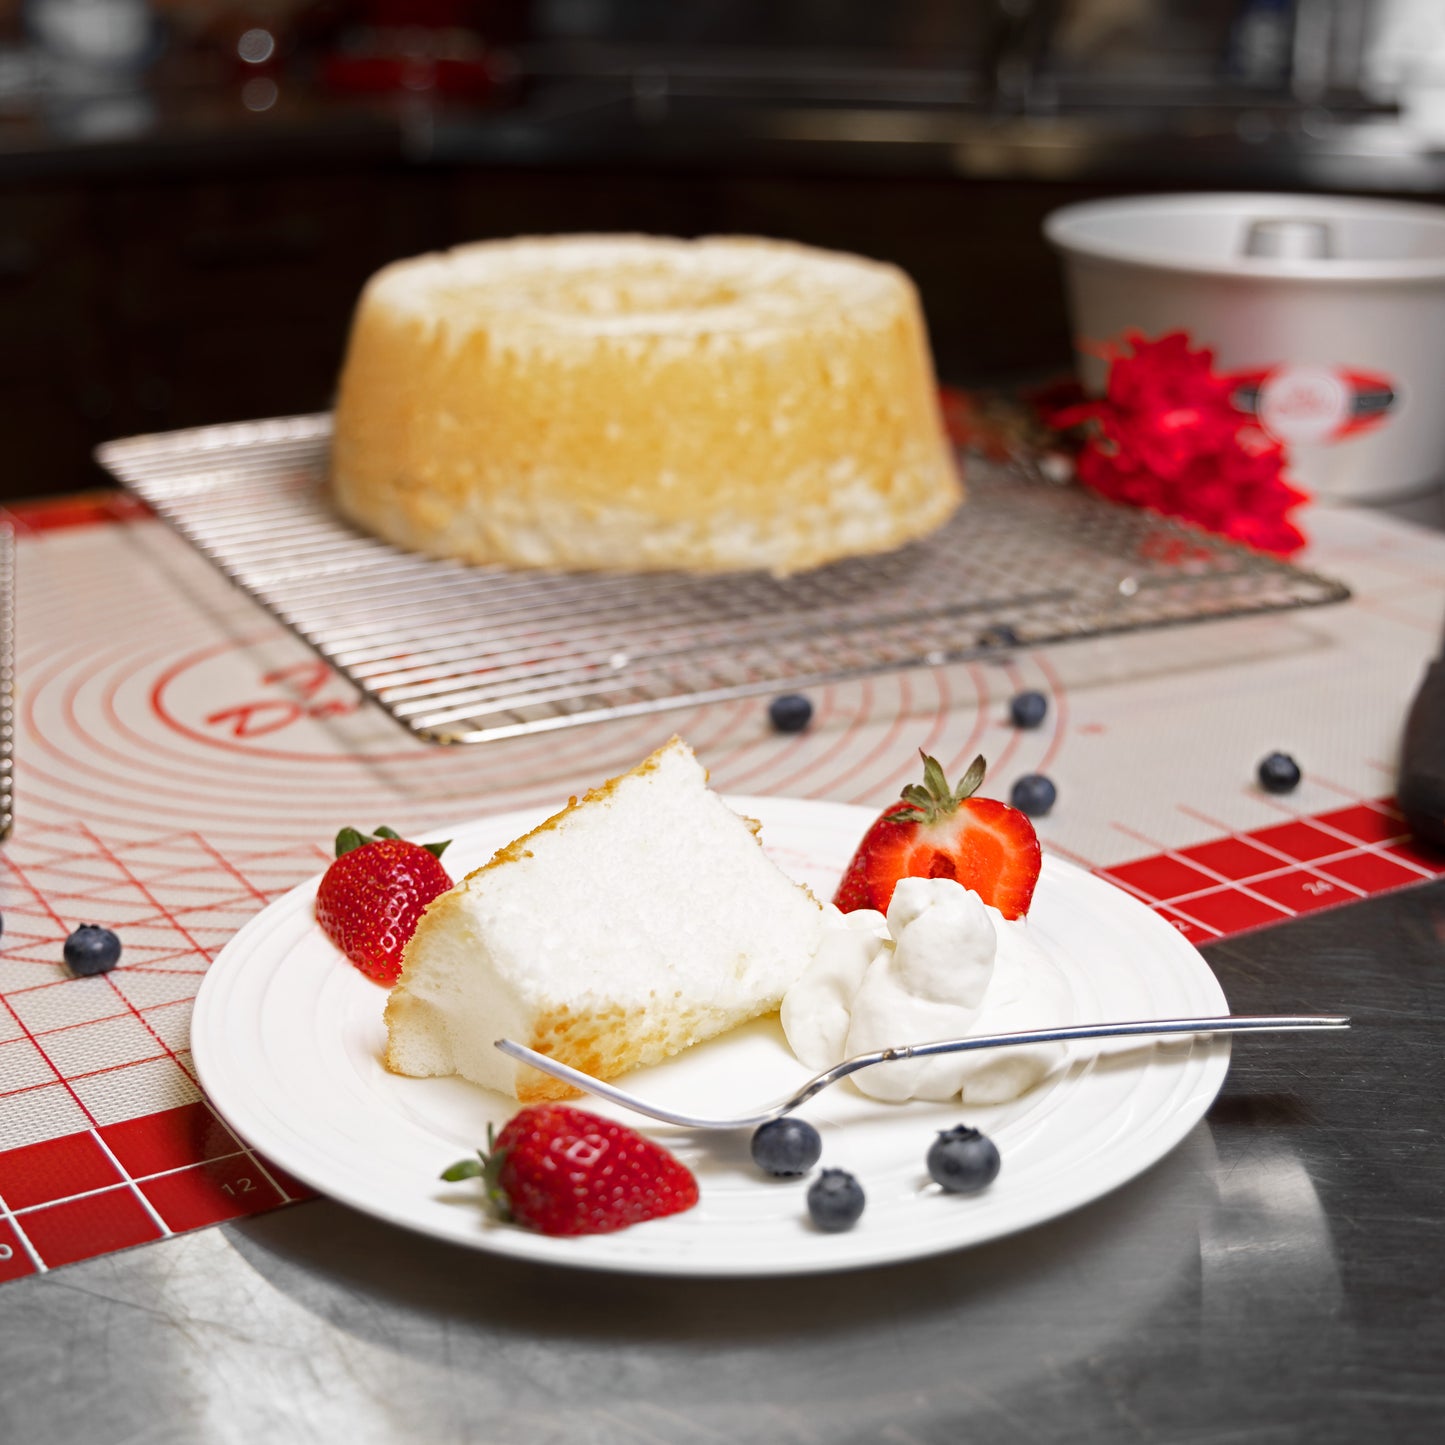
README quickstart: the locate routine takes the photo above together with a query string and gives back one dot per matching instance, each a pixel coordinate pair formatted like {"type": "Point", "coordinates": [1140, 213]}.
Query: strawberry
{"type": "Point", "coordinates": [561, 1170]}
{"type": "Point", "coordinates": [371, 897]}
{"type": "Point", "coordinates": [940, 832]}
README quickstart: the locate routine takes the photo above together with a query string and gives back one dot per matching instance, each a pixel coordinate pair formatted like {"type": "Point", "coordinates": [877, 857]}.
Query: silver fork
{"type": "Point", "coordinates": [1228, 1024]}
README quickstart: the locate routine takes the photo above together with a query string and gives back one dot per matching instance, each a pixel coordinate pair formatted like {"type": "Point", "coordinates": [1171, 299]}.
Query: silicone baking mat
{"type": "Point", "coordinates": [182, 759]}
{"type": "Point", "coordinates": [7, 679]}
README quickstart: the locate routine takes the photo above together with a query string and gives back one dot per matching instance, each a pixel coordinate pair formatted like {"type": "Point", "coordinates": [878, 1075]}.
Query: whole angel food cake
{"type": "Point", "coordinates": [638, 921]}
{"type": "Point", "coordinates": [636, 403]}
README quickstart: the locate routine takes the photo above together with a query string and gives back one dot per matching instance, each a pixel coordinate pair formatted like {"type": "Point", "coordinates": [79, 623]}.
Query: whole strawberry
{"type": "Point", "coordinates": [940, 832]}
{"type": "Point", "coordinates": [371, 897]}
{"type": "Point", "coordinates": [561, 1170]}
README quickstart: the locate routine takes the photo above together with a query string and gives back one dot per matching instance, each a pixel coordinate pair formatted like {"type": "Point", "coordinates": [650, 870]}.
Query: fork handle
{"type": "Point", "coordinates": [1138, 1028]}
{"type": "Point", "coordinates": [1231, 1024]}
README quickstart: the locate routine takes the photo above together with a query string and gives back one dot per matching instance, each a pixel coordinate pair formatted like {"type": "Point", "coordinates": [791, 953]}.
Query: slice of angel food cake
{"type": "Point", "coordinates": [640, 920]}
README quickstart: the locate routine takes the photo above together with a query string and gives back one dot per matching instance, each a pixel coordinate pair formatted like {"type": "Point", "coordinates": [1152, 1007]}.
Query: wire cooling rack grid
{"type": "Point", "coordinates": [464, 654]}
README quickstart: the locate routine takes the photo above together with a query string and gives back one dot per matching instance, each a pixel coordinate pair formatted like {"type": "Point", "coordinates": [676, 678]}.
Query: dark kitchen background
{"type": "Point", "coordinates": [192, 193]}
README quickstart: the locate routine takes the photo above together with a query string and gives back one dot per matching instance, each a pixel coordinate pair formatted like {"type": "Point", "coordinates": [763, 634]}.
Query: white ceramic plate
{"type": "Point", "coordinates": [288, 1039]}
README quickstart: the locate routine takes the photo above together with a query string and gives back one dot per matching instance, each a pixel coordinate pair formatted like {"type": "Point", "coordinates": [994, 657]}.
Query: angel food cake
{"type": "Point", "coordinates": [636, 403]}
{"type": "Point", "coordinates": [640, 920]}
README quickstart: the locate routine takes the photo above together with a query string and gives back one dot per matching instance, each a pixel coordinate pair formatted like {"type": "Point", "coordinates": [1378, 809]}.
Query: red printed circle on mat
{"type": "Point", "coordinates": [270, 697]}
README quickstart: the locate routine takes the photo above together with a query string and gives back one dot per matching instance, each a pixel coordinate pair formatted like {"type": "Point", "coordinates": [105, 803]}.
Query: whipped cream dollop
{"type": "Point", "coordinates": [942, 964]}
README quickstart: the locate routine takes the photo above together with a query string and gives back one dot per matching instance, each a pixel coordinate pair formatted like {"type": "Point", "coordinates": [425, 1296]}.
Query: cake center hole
{"type": "Point", "coordinates": [637, 295]}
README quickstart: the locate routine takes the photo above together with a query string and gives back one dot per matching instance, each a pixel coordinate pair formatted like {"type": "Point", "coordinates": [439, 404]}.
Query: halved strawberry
{"type": "Point", "coordinates": [561, 1170]}
{"type": "Point", "coordinates": [940, 832]}
{"type": "Point", "coordinates": [371, 897]}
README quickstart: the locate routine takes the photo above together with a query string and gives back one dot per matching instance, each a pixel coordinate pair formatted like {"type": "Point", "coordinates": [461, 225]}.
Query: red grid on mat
{"type": "Point", "coordinates": [117, 1146]}
{"type": "Point", "coordinates": [105, 1138]}
{"type": "Point", "coordinates": [1249, 880]}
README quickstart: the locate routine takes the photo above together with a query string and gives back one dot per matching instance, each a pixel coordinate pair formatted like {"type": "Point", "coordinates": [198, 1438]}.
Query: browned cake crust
{"type": "Point", "coordinates": [601, 1029]}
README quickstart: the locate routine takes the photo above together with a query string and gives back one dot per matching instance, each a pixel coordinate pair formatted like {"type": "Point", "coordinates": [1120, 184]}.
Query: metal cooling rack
{"type": "Point", "coordinates": [463, 654]}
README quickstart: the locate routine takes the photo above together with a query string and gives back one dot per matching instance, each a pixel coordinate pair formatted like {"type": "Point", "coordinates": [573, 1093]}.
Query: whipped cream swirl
{"type": "Point", "coordinates": [942, 964]}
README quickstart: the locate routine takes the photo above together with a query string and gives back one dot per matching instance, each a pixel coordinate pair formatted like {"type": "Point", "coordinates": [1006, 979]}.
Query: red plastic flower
{"type": "Point", "coordinates": [1168, 437]}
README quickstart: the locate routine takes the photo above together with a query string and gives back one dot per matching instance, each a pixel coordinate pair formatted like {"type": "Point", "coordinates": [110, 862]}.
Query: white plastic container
{"type": "Point", "coordinates": [1329, 311]}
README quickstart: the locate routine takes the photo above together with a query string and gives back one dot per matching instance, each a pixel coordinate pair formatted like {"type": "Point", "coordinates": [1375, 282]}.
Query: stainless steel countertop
{"type": "Point", "coordinates": [1279, 1277]}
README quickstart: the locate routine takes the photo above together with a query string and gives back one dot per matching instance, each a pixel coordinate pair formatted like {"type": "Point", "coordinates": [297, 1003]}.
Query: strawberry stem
{"type": "Point", "coordinates": [350, 839]}
{"type": "Point", "coordinates": [933, 800]}
{"type": "Point", "coordinates": [487, 1167]}
{"type": "Point", "coordinates": [492, 1161]}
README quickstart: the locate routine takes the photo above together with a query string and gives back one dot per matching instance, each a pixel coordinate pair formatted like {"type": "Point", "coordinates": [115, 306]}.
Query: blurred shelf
{"type": "Point", "coordinates": [920, 124]}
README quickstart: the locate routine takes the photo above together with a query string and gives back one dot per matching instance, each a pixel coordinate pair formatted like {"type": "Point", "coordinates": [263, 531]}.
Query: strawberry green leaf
{"type": "Point", "coordinates": [437, 849]}
{"type": "Point", "coordinates": [906, 814]}
{"type": "Point", "coordinates": [934, 778]}
{"type": "Point", "coordinates": [972, 780]}
{"type": "Point", "coordinates": [349, 839]}
{"type": "Point", "coordinates": [387, 833]}
{"type": "Point", "coordinates": [462, 1169]}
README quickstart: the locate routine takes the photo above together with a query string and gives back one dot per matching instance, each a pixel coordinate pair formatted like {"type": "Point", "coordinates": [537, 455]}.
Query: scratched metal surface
{"type": "Point", "coordinates": [1277, 1278]}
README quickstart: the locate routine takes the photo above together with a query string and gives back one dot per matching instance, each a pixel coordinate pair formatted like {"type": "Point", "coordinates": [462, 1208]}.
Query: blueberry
{"type": "Point", "coordinates": [1033, 794]}
{"type": "Point", "coordinates": [999, 635]}
{"type": "Point", "coordinates": [790, 713]}
{"type": "Point", "coordinates": [962, 1160]}
{"type": "Point", "coordinates": [1028, 709]}
{"type": "Point", "coordinates": [90, 950]}
{"type": "Point", "coordinates": [1278, 773]}
{"type": "Point", "coordinates": [786, 1146]}
{"type": "Point", "coordinates": [835, 1200]}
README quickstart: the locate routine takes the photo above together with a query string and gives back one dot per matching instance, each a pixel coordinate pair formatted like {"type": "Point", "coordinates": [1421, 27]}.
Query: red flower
{"type": "Point", "coordinates": [1167, 437]}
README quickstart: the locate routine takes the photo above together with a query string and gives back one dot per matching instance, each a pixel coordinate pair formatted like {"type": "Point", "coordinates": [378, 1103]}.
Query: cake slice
{"type": "Point", "coordinates": [633, 924]}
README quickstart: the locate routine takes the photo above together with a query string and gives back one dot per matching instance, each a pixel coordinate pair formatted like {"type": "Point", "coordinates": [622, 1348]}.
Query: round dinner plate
{"type": "Point", "coordinates": [288, 1039]}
